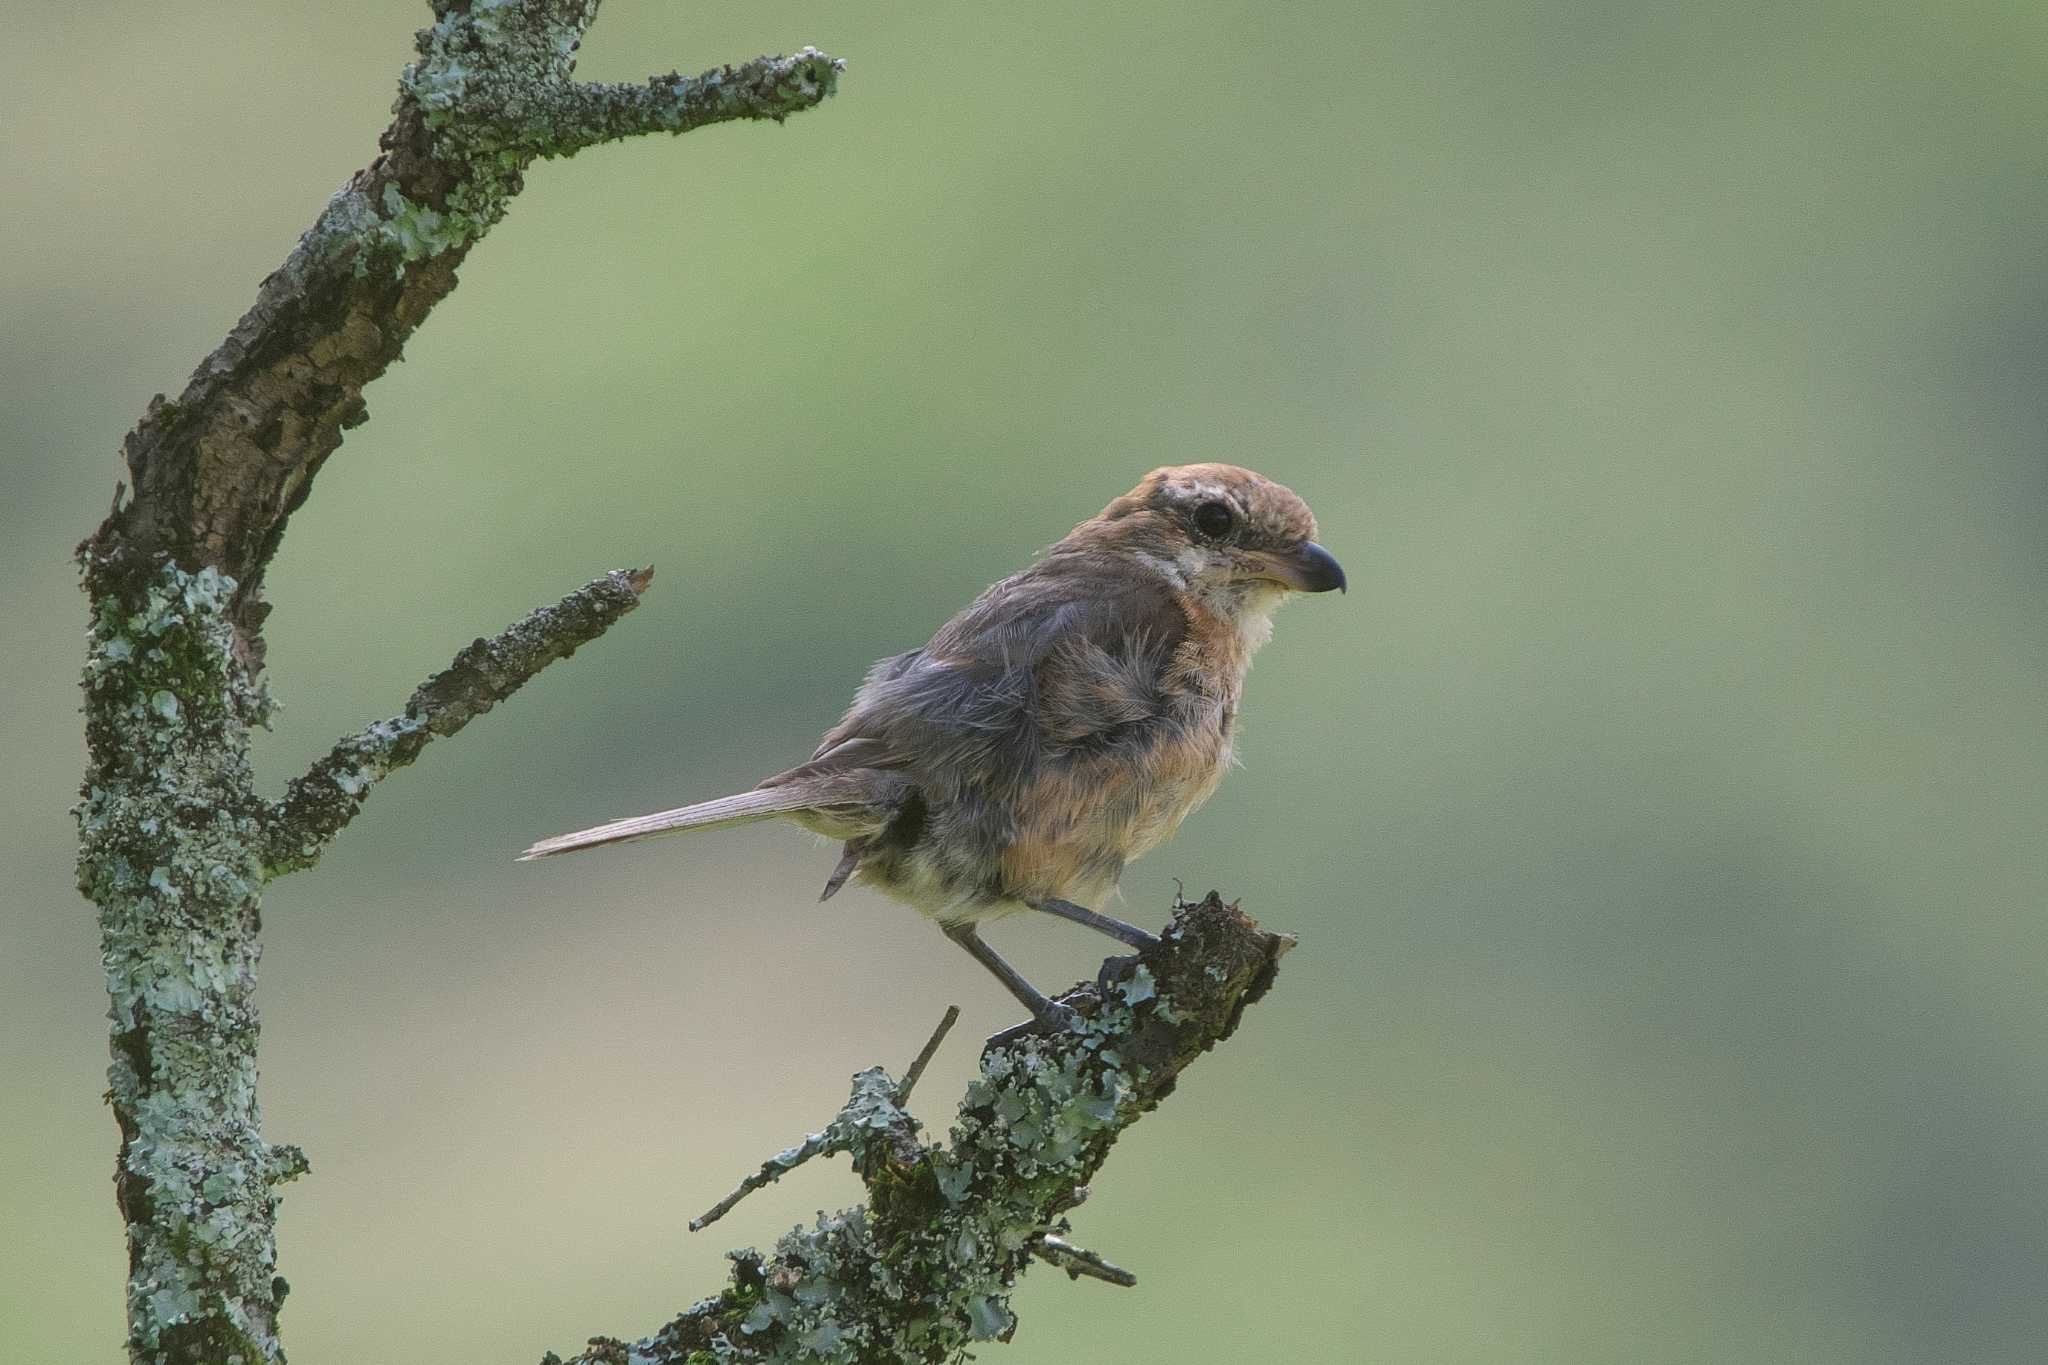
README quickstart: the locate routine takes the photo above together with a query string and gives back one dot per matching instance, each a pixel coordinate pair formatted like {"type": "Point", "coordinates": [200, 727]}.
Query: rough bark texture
{"type": "Point", "coordinates": [175, 846]}
{"type": "Point", "coordinates": [170, 833]}
{"type": "Point", "coordinates": [924, 1269]}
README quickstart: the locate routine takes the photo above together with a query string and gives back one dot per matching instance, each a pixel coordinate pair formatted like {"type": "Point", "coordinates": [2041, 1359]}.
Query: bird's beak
{"type": "Point", "coordinates": [1308, 567]}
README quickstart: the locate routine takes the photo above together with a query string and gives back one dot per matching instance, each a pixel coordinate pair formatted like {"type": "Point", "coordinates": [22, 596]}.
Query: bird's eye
{"type": "Point", "coordinates": [1215, 520]}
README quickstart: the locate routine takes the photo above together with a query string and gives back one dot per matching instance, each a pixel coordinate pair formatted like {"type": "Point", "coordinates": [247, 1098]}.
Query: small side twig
{"type": "Point", "coordinates": [772, 1170]}
{"type": "Point", "coordinates": [872, 1116]}
{"type": "Point", "coordinates": [567, 117]}
{"type": "Point", "coordinates": [868, 1110]}
{"type": "Point", "coordinates": [1078, 1261]}
{"type": "Point", "coordinates": [320, 803]}
{"type": "Point", "coordinates": [924, 1056]}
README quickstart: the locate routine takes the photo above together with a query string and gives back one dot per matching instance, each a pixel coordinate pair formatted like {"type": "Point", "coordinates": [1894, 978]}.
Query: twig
{"type": "Point", "coordinates": [871, 1121]}
{"type": "Point", "coordinates": [571, 116]}
{"type": "Point", "coordinates": [319, 804]}
{"type": "Point", "coordinates": [931, 1047]}
{"type": "Point", "coordinates": [772, 1170]}
{"type": "Point", "coordinates": [1079, 1261]}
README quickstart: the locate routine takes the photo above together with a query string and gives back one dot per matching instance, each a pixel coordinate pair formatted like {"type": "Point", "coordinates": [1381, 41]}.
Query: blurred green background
{"type": "Point", "coordinates": [1662, 815]}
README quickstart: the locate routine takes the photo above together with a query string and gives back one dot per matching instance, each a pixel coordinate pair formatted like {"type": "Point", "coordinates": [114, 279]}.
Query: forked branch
{"type": "Point", "coordinates": [924, 1269]}
{"type": "Point", "coordinates": [318, 804]}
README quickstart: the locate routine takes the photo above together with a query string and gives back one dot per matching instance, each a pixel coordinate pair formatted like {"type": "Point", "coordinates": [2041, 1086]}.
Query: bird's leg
{"type": "Point", "coordinates": [1112, 968]}
{"type": "Point", "coordinates": [1102, 924]}
{"type": "Point", "coordinates": [1049, 1014]}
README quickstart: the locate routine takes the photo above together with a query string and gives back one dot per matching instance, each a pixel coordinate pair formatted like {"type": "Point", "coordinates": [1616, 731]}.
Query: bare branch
{"type": "Point", "coordinates": [926, 1053]}
{"type": "Point", "coordinates": [318, 804]}
{"type": "Point", "coordinates": [876, 1106]}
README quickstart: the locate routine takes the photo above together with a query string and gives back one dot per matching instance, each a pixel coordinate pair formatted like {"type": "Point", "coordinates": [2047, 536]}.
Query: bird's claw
{"type": "Point", "coordinates": [1054, 1018]}
{"type": "Point", "coordinates": [1114, 969]}
{"type": "Point", "coordinates": [1058, 1018]}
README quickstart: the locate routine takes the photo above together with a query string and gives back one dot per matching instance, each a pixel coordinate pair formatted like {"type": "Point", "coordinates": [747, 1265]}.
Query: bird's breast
{"type": "Point", "coordinates": [1078, 822]}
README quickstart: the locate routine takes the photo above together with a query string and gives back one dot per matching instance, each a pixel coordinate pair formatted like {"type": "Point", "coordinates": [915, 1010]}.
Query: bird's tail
{"type": "Point", "coordinates": [744, 808]}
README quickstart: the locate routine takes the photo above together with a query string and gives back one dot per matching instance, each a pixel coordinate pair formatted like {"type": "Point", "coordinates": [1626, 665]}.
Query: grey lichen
{"type": "Point", "coordinates": [175, 848]}
{"type": "Point", "coordinates": [168, 839]}
{"type": "Point", "coordinates": [925, 1269]}
{"type": "Point", "coordinates": [770, 88]}
{"type": "Point", "coordinates": [870, 1284]}
{"type": "Point", "coordinates": [492, 91]}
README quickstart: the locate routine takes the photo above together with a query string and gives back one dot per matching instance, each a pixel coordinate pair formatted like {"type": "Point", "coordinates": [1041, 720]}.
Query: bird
{"type": "Point", "coordinates": [1058, 727]}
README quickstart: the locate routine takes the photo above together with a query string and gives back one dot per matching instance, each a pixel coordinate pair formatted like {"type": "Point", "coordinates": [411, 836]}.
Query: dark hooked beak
{"type": "Point", "coordinates": [1308, 567]}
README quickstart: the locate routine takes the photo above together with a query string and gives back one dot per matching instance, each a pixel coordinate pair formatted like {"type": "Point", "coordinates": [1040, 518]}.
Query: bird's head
{"type": "Point", "coordinates": [1211, 528]}
{"type": "Point", "coordinates": [1233, 539]}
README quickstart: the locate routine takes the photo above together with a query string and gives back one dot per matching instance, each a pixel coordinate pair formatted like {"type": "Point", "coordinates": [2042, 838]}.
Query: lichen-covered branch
{"type": "Point", "coordinates": [218, 470]}
{"type": "Point", "coordinates": [174, 843]}
{"type": "Point", "coordinates": [557, 118]}
{"type": "Point", "coordinates": [925, 1268]}
{"type": "Point", "coordinates": [174, 849]}
{"type": "Point", "coordinates": [318, 804]}
{"type": "Point", "coordinates": [169, 830]}
{"type": "Point", "coordinates": [1078, 1261]}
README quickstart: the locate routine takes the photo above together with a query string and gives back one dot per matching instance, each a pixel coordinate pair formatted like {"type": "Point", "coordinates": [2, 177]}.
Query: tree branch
{"type": "Point", "coordinates": [567, 117]}
{"type": "Point", "coordinates": [174, 844]}
{"type": "Point", "coordinates": [319, 803]}
{"type": "Point", "coordinates": [925, 1269]}
{"type": "Point", "coordinates": [915, 1071]}
{"type": "Point", "coordinates": [1079, 1261]}
{"type": "Point", "coordinates": [217, 472]}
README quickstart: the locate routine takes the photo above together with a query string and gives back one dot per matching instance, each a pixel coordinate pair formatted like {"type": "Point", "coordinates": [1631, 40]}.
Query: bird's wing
{"type": "Point", "coordinates": [1059, 658]}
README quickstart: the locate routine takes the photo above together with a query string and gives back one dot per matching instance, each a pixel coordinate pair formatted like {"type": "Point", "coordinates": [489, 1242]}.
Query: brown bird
{"type": "Point", "coordinates": [1063, 724]}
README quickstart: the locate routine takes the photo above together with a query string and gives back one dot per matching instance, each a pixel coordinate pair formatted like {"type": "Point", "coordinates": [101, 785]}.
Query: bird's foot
{"type": "Point", "coordinates": [1057, 1018]}
{"type": "Point", "coordinates": [1114, 969]}
{"type": "Point", "coordinates": [1052, 1018]}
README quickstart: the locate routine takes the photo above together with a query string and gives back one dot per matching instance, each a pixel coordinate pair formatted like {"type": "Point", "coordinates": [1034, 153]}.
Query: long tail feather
{"type": "Point", "coordinates": [744, 808]}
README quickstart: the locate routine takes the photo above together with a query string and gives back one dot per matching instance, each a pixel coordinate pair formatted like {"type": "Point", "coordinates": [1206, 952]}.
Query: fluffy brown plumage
{"type": "Point", "coordinates": [1061, 725]}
